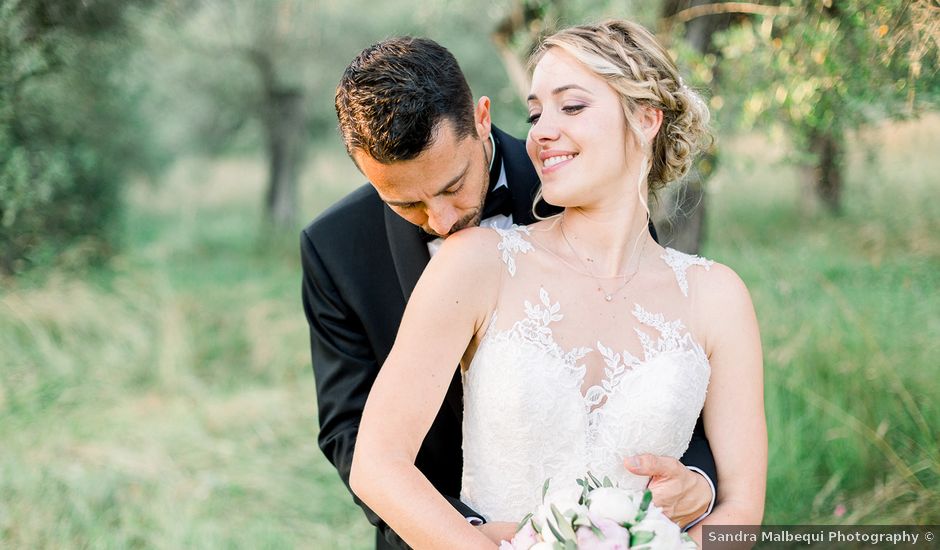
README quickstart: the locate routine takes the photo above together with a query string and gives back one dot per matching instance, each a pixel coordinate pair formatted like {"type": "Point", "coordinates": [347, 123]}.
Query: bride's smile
{"type": "Point", "coordinates": [579, 141]}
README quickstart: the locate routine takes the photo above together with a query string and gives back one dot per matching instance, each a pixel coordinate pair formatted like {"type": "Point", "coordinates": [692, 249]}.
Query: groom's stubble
{"type": "Point", "coordinates": [473, 218]}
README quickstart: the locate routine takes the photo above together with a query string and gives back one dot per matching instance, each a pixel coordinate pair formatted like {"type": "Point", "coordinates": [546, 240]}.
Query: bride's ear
{"type": "Point", "coordinates": [649, 119]}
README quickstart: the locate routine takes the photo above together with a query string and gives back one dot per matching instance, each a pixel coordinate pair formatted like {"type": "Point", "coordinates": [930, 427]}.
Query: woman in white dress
{"type": "Point", "coordinates": [582, 341]}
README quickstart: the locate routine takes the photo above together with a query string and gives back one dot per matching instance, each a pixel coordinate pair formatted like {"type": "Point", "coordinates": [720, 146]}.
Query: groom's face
{"type": "Point", "coordinates": [441, 190]}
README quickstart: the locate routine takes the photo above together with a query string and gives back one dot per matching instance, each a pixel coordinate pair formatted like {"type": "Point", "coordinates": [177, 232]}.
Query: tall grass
{"type": "Point", "coordinates": [167, 401]}
{"type": "Point", "coordinates": [850, 314]}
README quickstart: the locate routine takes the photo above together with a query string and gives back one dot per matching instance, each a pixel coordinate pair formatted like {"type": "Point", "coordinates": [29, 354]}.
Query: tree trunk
{"type": "Point", "coordinates": [520, 18]}
{"type": "Point", "coordinates": [286, 144]}
{"type": "Point", "coordinates": [680, 212]}
{"type": "Point", "coordinates": [827, 149]}
{"type": "Point", "coordinates": [680, 218]}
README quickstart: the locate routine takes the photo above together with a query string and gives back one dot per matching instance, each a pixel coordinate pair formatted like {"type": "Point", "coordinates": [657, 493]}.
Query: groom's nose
{"type": "Point", "coordinates": [442, 217]}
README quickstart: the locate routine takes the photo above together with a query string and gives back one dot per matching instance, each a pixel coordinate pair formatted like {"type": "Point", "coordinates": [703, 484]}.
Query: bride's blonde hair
{"type": "Point", "coordinates": [640, 70]}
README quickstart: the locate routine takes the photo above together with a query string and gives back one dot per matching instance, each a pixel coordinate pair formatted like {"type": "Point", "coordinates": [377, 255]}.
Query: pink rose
{"type": "Point", "coordinates": [524, 539]}
{"type": "Point", "coordinates": [613, 537]}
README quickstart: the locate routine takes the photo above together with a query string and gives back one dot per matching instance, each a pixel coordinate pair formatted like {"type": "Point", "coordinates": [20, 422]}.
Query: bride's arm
{"type": "Point", "coordinates": [734, 408]}
{"type": "Point", "coordinates": [447, 308]}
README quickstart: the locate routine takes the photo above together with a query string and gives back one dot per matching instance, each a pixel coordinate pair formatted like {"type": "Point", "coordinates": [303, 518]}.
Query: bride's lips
{"type": "Point", "coordinates": [552, 161]}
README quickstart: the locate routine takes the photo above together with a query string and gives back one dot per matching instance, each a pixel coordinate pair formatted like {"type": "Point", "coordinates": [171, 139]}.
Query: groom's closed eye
{"type": "Point", "coordinates": [450, 191]}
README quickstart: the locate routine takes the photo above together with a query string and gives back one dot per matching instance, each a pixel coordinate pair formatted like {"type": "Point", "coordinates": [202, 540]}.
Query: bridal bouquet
{"type": "Point", "coordinates": [602, 517]}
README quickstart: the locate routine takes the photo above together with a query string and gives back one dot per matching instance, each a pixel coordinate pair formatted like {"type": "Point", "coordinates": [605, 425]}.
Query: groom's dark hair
{"type": "Point", "coordinates": [394, 94]}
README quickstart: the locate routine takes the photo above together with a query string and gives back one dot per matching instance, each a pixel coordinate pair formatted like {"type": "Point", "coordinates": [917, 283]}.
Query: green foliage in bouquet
{"type": "Point", "coordinates": [618, 516]}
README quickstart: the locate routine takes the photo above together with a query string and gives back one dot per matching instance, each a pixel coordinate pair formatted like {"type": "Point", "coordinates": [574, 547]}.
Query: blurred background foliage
{"type": "Point", "coordinates": [158, 158]}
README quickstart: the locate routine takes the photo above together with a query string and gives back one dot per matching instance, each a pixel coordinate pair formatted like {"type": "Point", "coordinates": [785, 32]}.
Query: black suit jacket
{"type": "Point", "coordinates": [361, 262]}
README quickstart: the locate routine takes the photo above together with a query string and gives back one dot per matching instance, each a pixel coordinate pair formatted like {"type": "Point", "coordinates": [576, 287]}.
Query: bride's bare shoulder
{"type": "Point", "coordinates": [472, 239]}
{"type": "Point", "coordinates": [720, 284]}
{"type": "Point", "coordinates": [723, 306]}
{"type": "Point", "coordinates": [473, 248]}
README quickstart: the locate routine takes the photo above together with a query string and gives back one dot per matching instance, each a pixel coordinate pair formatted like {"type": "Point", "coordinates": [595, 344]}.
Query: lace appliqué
{"type": "Point", "coordinates": [512, 244]}
{"type": "Point", "coordinates": [672, 335]}
{"type": "Point", "coordinates": [535, 329]}
{"type": "Point", "coordinates": [680, 262]}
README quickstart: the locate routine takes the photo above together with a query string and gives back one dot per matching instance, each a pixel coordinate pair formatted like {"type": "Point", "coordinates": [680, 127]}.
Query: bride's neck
{"type": "Point", "coordinates": [609, 241]}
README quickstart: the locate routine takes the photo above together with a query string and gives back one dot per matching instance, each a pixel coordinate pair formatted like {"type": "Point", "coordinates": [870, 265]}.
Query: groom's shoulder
{"type": "Point", "coordinates": [361, 212]}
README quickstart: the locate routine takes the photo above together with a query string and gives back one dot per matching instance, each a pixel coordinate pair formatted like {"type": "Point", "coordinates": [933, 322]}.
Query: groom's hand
{"type": "Point", "coordinates": [682, 494]}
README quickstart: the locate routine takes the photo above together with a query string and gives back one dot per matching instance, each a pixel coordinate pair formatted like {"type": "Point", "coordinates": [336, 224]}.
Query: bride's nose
{"type": "Point", "coordinates": [545, 129]}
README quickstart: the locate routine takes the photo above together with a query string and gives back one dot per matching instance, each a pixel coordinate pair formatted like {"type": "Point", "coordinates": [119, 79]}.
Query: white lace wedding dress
{"type": "Point", "coordinates": [564, 382]}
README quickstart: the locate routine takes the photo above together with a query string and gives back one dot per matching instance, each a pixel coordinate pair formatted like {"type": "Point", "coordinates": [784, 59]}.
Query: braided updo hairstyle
{"type": "Point", "coordinates": [640, 70]}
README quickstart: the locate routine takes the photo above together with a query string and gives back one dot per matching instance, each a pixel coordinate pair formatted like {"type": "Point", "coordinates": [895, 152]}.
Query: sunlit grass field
{"type": "Point", "coordinates": [167, 400]}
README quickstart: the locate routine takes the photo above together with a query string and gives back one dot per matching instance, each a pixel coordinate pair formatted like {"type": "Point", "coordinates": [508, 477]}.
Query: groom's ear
{"type": "Point", "coordinates": [481, 117]}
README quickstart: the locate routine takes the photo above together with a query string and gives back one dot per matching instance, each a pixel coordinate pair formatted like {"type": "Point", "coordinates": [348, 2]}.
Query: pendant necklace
{"type": "Point", "coordinates": [608, 296]}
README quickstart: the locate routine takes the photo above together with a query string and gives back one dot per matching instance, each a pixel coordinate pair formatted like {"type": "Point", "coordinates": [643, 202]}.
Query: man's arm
{"type": "Point", "coordinates": [345, 368]}
{"type": "Point", "coordinates": [684, 490]}
{"type": "Point", "coordinates": [698, 458]}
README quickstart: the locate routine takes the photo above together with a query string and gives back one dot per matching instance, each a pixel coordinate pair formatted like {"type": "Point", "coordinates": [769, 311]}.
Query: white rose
{"type": "Point", "coordinates": [615, 504]}
{"type": "Point", "coordinates": [566, 502]}
{"type": "Point", "coordinates": [667, 535]}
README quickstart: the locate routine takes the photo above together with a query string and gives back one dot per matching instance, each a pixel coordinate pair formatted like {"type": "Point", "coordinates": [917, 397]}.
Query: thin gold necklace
{"type": "Point", "coordinates": [608, 296]}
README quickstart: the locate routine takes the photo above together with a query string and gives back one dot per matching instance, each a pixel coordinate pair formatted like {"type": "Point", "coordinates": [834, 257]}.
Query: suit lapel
{"type": "Point", "coordinates": [409, 253]}
{"type": "Point", "coordinates": [410, 256]}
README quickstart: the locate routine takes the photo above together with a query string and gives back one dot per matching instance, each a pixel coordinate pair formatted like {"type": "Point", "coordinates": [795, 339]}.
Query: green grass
{"type": "Point", "coordinates": [167, 401]}
{"type": "Point", "coordinates": [850, 318]}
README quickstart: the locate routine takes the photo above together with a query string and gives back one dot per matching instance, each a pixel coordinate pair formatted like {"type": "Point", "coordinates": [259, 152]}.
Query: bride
{"type": "Point", "coordinates": [581, 340]}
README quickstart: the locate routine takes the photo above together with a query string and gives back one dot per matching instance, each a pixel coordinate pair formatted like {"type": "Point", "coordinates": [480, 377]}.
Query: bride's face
{"type": "Point", "coordinates": [578, 141]}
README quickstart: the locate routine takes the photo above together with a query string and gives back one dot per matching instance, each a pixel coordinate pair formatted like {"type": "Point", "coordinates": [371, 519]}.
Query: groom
{"type": "Point", "coordinates": [435, 166]}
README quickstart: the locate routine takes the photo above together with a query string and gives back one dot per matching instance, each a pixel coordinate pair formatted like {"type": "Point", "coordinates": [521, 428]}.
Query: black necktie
{"type": "Point", "coordinates": [498, 201]}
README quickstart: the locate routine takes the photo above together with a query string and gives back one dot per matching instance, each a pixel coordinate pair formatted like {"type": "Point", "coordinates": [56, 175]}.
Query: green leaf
{"type": "Point", "coordinates": [554, 531]}
{"type": "Point", "coordinates": [608, 482]}
{"type": "Point", "coordinates": [644, 506]}
{"type": "Point", "coordinates": [583, 498]}
{"type": "Point", "coordinates": [581, 520]}
{"type": "Point", "coordinates": [563, 524]}
{"type": "Point", "coordinates": [641, 537]}
{"type": "Point", "coordinates": [522, 523]}
{"type": "Point", "coordinates": [647, 499]}
{"type": "Point", "coordinates": [545, 488]}
{"type": "Point", "coordinates": [596, 481]}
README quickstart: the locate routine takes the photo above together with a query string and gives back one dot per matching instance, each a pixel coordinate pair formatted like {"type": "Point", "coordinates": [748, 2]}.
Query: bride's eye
{"type": "Point", "coordinates": [533, 118]}
{"type": "Point", "coordinates": [572, 109]}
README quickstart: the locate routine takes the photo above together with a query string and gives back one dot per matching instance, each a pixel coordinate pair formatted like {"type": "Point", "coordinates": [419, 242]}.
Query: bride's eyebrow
{"type": "Point", "coordinates": [560, 89]}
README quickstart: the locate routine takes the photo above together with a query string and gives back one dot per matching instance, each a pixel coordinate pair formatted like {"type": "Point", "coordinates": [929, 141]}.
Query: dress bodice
{"type": "Point", "coordinates": [560, 385]}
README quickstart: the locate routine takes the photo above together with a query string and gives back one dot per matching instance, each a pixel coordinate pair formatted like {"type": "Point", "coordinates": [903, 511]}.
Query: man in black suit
{"type": "Point", "coordinates": [435, 166]}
